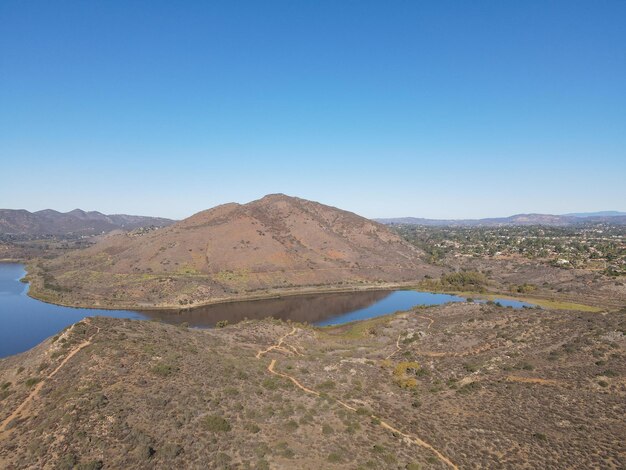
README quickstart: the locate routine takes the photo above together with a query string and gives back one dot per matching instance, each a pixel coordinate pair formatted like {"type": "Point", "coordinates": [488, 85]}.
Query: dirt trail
{"type": "Point", "coordinates": [22, 406]}
{"type": "Point", "coordinates": [431, 320]}
{"type": "Point", "coordinates": [278, 345]}
{"type": "Point", "coordinates": [384, 424]}
{"type": "Point", "coordinates": [398, 347]}
{"type": "Point", "coordinates": [532, 380]}
{"type": "Point", "coordinates": [470, 352]}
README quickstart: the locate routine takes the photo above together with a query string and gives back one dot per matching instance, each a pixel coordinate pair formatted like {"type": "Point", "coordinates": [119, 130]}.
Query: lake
{"type": "Point", "coordinates": [25, 322]}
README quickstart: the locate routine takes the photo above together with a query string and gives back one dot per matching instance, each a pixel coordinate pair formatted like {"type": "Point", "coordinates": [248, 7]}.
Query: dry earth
{"type": "Point", "coordinates": [278, 244]}
{"type": "Point", "coordinates": [454, 386]}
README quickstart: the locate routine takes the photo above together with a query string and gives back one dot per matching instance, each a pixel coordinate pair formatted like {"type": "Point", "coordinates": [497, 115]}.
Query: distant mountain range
{"type": "Point", "coordinates": [597, 214]}
{"type": "Point", "coordinates": [613, 217]}
{"type": "Point", "coordinates": [77, 222]}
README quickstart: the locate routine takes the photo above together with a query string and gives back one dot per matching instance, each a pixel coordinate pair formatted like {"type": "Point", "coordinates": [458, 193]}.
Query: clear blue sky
{"type": "Point", "coordinates": [387, 108]}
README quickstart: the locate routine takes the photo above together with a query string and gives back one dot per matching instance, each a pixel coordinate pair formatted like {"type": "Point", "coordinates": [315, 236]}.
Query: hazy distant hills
{"type": "Point", "coordinates": [597, 214]}
{"type": "Point", "coordinates": [76, 222]}
{"type": "Point", "coordinates": [613, 217]}
{"type": "Point", "coordinates": [234, 250]}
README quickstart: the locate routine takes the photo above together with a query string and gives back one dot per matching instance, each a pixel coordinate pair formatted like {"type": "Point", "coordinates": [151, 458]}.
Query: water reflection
{"type": "Point", "coordinates": [25, 322]}
{"type": "Point", "coordinates": [302, 308]}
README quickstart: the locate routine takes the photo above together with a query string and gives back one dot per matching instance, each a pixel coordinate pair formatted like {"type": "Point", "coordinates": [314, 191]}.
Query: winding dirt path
{"type": "Point", "coordinates": [35, 391]}
{"type": "Point", "coordinates": [398, 347]}
{"type": "Point", "coordinates": [431, 321]}
{"type": "Point", "coordinates": [414, 439]}
{"type": "Point", "coordinates": [278, 345]}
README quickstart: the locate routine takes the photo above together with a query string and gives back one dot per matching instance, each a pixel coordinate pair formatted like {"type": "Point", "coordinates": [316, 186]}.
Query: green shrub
{"type": "Point", "coordinates": [327, 385]}
{"type": "Point", "coordinates": [252, 427]}
{"type": "Point", "coordinates": [284, 450]}
{"type": "Point", "coordinates": [525, 288]}
{"type": "Point", "coordinates": [163, 369]}
{"type": "Point", "coordinates": [468, 388]}
{"type": "Point", "coordinates": [334, 457]}
{"type": "Point", "coordinates": [262, 465]}
{"type": "Point", "coordinates": [170, 450]}
{"type": "Point", "coordinates": [215, 423]}
{"type": "Point", "coordinates": [32, 381]}
{"type": "Point", "coordinates": [378, 449]}
{"type": "Point", "coordinates": [66, 462]}
{"type": "Point", "coordinates": [464, 280]}
{"type": "Point", "coordinates": [270, 383]}
{"type": "Point", "coordinates": [90, 465]}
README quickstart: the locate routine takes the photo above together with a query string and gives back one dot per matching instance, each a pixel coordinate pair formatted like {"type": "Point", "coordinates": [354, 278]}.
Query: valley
{"type": "Point", "coordinates": [312, 235]}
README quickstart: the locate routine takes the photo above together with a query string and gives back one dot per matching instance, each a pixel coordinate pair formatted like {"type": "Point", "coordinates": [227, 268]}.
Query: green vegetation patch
{"type": "Point", "coordinates": [214, 423]}
{"type": "Point", "coordinates": [32, 381]}
{"type": "Point", "coordinates": [163, 369]}
{"type": "Point", "coordinates": [404, 374]}
{"type": "Point", "coordinates": [462, 280]}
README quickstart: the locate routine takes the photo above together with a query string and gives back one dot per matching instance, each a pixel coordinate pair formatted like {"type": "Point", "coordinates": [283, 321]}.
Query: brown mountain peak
{"type": "Point", "coordinates": [278, 242]}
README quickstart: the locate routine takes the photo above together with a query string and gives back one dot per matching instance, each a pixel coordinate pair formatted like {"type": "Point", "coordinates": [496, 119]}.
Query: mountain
{"type": "Point", "coordinates": [597, 214]}
{"type": "Point", "coordinates": [277, 243]}
{"type": "Point", "coordinates": [76, 222]}
{"type": "Point", "coordinates": [613, 217]}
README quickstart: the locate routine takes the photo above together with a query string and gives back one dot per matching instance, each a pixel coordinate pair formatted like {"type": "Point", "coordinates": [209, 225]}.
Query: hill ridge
{"type": "Point", "coordinates": [275, 243]}
{"type": "Point", "coordinates": [46, 222]}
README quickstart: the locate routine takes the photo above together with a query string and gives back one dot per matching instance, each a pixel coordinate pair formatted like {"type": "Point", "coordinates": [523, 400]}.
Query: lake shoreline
{"type": "Point", "coordinates": [560, 303]}
{"type": "Point", "coordinates": [234, 299]}
{"type": "Point", "coordinates": [563, 304]}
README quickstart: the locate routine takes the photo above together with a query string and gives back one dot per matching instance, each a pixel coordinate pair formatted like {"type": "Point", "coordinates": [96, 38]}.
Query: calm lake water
{"type": "Point", "coordinates": [25, 322]}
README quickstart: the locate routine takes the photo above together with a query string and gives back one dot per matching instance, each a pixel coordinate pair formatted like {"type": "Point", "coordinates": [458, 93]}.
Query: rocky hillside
{"type": "Point", "coordinates": [448, 387]}
{"type": "Point", "coordinates": [278, 243]}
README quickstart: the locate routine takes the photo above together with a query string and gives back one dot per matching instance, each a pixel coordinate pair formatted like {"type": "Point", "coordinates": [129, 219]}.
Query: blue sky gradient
{"type": "Point", "coordinates": [435, 109]}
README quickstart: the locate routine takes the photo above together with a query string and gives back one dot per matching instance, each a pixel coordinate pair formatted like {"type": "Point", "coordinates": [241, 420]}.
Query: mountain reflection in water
{"type": "Point", "coordinates": [301, 308]}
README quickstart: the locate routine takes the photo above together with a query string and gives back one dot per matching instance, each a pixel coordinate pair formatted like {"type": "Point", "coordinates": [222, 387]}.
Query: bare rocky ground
{"type": "Point", "coordinates": [454, 386]}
